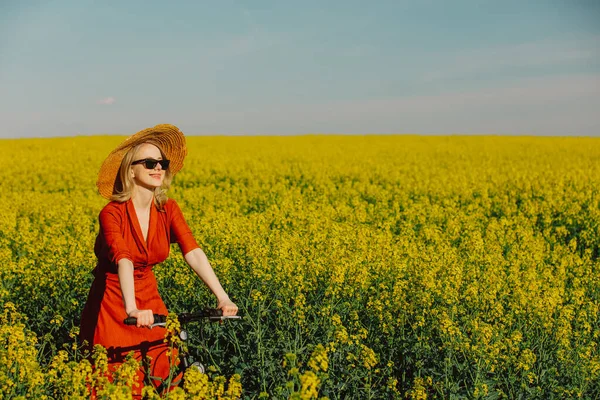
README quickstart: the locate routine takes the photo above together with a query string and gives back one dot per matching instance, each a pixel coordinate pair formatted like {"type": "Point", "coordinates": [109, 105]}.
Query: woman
{"type": "Point", "coordinates": [136, 228]}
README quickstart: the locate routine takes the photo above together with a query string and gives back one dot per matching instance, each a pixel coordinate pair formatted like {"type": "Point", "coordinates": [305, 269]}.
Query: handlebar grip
{"type": "Point", "coordinates": [158, 318]}
{"type": "Point", "coordinates": [213, 312]}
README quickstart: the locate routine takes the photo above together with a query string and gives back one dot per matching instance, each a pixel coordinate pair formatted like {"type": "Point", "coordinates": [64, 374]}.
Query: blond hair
{"type": "Point", "coordinates": [124, 183]}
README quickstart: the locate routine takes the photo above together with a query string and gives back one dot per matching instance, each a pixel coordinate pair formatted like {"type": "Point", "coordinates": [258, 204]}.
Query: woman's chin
{"type": "Point", "coordinates": [150, 187]}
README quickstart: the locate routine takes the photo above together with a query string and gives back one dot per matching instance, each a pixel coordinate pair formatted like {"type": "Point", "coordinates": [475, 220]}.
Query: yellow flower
{"type": "Point", "coordinates": [319, 360]}
{"type": "Point", "coordinates": [310, 383]}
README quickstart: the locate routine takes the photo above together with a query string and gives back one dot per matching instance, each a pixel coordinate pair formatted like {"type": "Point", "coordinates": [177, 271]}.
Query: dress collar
{"type": "Point", "coordinates": [136, 223]}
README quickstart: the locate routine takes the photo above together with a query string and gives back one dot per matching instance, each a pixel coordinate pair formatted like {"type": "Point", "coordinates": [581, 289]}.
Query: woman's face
{"type": "Point", "coordinates": [148, 178]}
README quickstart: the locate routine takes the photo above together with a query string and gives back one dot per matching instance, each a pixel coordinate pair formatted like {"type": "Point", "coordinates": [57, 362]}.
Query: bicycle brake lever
{"type": "Point", "coordinates": [224, 317]}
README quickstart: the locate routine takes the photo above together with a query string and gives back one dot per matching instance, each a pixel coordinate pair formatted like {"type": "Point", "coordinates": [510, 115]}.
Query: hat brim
{"type": "Point", "coordinates": [168, 137]}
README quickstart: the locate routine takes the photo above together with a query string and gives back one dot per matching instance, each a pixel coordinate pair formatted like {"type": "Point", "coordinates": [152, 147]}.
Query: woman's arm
{"type": "Point", "coordinates": [199, 263]}
{"type": "Point", "coordinates": [111, 220]}
{"type": "Point", "coordinates": [144, 317]}
{"type": "Point", "coordinates": [195, 257]}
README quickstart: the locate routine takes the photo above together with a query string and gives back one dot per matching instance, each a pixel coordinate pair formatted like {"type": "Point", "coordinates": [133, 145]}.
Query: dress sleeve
{"type": "Point", "coordinates": [180, 231]}
{"type": "Point", "coordinates": [110, 226]}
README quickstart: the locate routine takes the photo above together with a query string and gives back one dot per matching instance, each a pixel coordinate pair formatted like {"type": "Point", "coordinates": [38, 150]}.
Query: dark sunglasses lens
{"type": "Point", "coordinates": [150, 164]}
{"type": "Point", "coordinates": [164, 164]}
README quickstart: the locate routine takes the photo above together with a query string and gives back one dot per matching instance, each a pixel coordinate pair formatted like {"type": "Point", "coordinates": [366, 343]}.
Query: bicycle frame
{"type": "Point", "coordinates": [185, 360]}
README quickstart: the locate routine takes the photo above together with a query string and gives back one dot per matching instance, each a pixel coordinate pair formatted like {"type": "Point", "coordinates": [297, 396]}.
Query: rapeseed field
{"type": "Point", "coordinates": [366, 267]}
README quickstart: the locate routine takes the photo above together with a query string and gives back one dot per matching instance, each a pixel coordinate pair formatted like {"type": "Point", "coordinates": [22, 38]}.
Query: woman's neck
{"type": "Point", "coordinates": [142, 198]}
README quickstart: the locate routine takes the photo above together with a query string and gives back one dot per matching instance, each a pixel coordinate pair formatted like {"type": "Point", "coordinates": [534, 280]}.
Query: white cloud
{"type": "Point", "coordinates": [552, 105]}
{"type": "Point", "coordinates": [107, 101]}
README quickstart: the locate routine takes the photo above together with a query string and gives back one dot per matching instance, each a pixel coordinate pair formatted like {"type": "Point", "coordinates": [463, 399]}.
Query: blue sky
{"type": "Point", "coordinates": [281, 68]}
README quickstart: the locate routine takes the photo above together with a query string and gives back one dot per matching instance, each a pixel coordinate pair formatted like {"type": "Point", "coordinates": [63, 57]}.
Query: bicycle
{"type": "Point", "coordinates": [186, 360]}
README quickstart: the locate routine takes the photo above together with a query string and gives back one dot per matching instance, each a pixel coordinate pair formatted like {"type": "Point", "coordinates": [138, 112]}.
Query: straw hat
{"type": "Point", "coordinates": [168, 137]}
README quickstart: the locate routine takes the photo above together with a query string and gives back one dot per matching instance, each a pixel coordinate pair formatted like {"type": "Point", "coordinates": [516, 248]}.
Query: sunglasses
{"type": "Point", "coordinates": [150, 163]}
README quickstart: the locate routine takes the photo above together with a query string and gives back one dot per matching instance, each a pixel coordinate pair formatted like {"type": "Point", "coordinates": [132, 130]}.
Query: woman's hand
{"type": "Point", "coordinates": [144, 317]}
{"type": "Point", "coordinates": [228, 307]}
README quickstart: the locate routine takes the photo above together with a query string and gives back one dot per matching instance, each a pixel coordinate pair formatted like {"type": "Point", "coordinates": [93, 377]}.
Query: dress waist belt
{"type": "Point", "coordinates": [138, 273]}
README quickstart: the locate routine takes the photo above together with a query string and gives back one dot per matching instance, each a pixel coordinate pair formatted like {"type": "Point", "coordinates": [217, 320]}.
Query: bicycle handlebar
{"type": "Point", "coordinates": [158, 318]}
{"type": "Point", "coordinates": [212, 314]}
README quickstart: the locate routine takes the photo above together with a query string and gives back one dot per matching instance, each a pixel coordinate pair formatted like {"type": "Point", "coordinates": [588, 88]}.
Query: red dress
{"type": "Point", "coordinates": [120, 237]}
